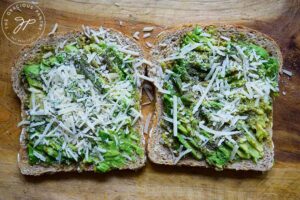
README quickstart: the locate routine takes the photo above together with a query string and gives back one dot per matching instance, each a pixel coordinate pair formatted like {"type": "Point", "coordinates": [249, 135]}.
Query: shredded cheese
{"type": "Point", "coordinates": [146, 35]}
{"type": "Point", "coordinates": [136, 35]}
{"type": "Point", "coordinates": [148, 29]}
{"type": "Point", "coordinates": [289, 73]}
{"type": "Point", "coordinates": [175, 116]}
{"type": "Point", "coordinates": [147, 123]}
{"type": "Point", "coordinates": [53, 29]}
{"type": "Point", "coordinates": [195, 109]}
{"type": "Point", "coordinates": [181, 155]}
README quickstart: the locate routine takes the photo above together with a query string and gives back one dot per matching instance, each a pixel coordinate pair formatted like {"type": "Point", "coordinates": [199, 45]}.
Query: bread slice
{"type": "Point", "coordinates": [28, 53]}
{"type": "Point", "coordinates": [167, 44]}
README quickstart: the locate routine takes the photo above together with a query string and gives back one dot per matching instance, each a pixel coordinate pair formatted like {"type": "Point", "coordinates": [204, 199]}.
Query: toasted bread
{"type": "Point", "coordinates": [28, 53]}
{"type": "Point", "coordinates": [160, 154]}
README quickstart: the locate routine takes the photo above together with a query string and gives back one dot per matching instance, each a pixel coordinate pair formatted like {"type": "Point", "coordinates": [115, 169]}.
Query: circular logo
{"type": "Point", "coordinates": [23, 23]}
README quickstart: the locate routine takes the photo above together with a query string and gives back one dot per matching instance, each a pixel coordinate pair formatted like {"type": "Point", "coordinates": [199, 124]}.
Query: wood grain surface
{"type": "Point", "coordinates": [278, 18]}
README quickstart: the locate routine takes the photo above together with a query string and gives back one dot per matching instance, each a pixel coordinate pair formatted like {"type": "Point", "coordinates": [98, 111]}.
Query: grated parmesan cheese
{"type": "Point", "coordinates": [195, 109]}
{"type": "Point", "coordinates": [181, 155]}
{"type": "Point", "coordinates": [289, 73]}
{"type": "Point", "coordinates": [148, 29]}
{"type": "Point", "coordinates": [53, 29]}
{"type": "Point", "coordinates": [149, 45]}
{"type": "Point", "coordinates": [146, 35]}
{"type": "Point", "coordinates": [147, 123]}
{"type": "Point", "coordinates": [175, 116]}
{"type": "Point", "coordinates": [136, 35]}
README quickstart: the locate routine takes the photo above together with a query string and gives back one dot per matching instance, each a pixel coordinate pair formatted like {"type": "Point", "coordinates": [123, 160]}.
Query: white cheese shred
{"type": "Point", "coordinates": [234, 151]}
{"type": "Point", "coordinates": [147, 123]}
{"type": "Point", "coordinates": [149, 44]}
{"type": "Point", "coordinates": [175, 115]}
{"type": "Point", "coordinates": [217, 133]}
{"type": "Point", "coordinates": [195, 109]}
{"type": "Point", "coordinates": [23, 122]}
{"type": "Point", "coordinates": [148, 29]}
{"type": "Point", "coordinates": [146, 35]}
{"type": "Point", "coordinates": [39, 156]}
{"type": "Point", "coordinates": [181, 155]}
{"type": "Point", "coordinates": [53, 29]}
{"type": "Point", "coordinates": [287, 72]}
{"type": "Point", "coordinates": [136, 35]}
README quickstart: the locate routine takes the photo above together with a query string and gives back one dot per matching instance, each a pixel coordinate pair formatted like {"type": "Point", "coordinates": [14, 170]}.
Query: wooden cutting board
{"type": "Point", "coordinates": [278, 18]}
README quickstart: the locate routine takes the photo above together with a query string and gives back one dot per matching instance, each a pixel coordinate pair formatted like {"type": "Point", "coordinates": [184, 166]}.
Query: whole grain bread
{"type": "Point", "coordinates": [28, 53]}
{"type": "Point", "coordinates": [168, 43]}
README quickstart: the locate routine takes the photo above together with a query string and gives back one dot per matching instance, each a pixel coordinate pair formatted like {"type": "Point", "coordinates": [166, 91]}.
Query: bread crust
{"type": "Point", "coordinates": [160, 154]}
{"type": "Point", "coordinates": [26, 54]}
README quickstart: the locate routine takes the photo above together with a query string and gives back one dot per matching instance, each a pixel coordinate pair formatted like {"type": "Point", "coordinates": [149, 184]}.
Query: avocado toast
{"type": "Point", "coordinates": [214, 100]}
{"type": "Point", "coordinates": [80, 101]}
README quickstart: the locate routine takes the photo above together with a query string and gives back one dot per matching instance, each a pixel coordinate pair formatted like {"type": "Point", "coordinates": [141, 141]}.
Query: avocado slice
{"type": "Point", "coordinates": [31, 73]}
{"type": "Point", "coordinates": [70, 49]}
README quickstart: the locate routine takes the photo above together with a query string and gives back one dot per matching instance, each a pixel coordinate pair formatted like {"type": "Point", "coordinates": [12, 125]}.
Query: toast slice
{"type": "Point", "coordinates": [165, 51]}
{"type": "Point", "coordinates": [123, 45]}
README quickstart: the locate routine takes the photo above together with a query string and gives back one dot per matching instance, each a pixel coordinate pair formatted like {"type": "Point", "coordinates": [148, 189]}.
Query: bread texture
{"type": "Point", "coordinates": [28, 53]}
{"type": "Point", "coordinates": [168, 43]}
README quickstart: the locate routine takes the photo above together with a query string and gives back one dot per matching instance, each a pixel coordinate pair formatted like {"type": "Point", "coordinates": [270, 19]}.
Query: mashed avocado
{"type": "Point", "coordinates": [224, 85]}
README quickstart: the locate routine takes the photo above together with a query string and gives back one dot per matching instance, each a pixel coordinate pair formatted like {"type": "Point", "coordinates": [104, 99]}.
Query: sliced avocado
{"type": "Point", "coordinates": [178, 83]}
{"type": "Point", "coordinates": [34, 83]}
{"type": "Point", "coordinates": [32, 158]}
{"type": "Point", "coordinates": [31, 73]}
{"type": "Point", "coordinates": [258, 146]}
{"type": "Point", "coordinates": [117, 162]}
{"type": "Point", "coordinates": [134, 137]}
{"type": "Point", "coordinates": [219, 158]}
{"type": "Point", "coordinates": [32, 70]}
{"type": "Point", "coordinates": [214, 104]}
{"type": "Point", "coordinates": [125, 147]}
{"type": "Point", "coordinates": [70, 49]}
{"type": "Point", "coordinates": [136, 147]}
{"type": "Point", "coordinates": [261, 133]}
{"type": "Point", "coordinates": [185, 143]}
{"type": "Point", "coordinates": [187, 99]}
{"type": "Point", "coordinates": [51, 152]}
{"type": "Point", "coordinates": [247, 148]}
{"type": "Point", "coordinates": [182, 129]}
{"type": "Point", "coordinates": [102, 167]}
{"type": "Point", "coordinates": [111, 153]}
{"type": "Point", "coordinates": [260, 51]}
{"type": "Point", "coordinates": [243, 154]}
{"type": "Point", "coordinates": [272, 68]}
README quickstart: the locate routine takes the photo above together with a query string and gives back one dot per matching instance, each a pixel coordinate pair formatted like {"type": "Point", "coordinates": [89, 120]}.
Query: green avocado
{"type": "Point", "coordinates": [32, 158]}
{"type": "Point", "coordinates": [272, 68]}
{"type": "Point", "coordinates": [186, 144]}
{"type": "Point", "coordinates": [102, 167]}
{"type": "Point", "coordinates": [31, 73]}
{"type": "Point", "coordinates": [70, 49]}
{"type": "Point", "coordinates": [50, 151]}
{"type": "Point", "coordinates": [219, 157]}
{"type": "Point", "coordinates": [259, 50]}
{"type": "Point", "coordinates": [248, 149]}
